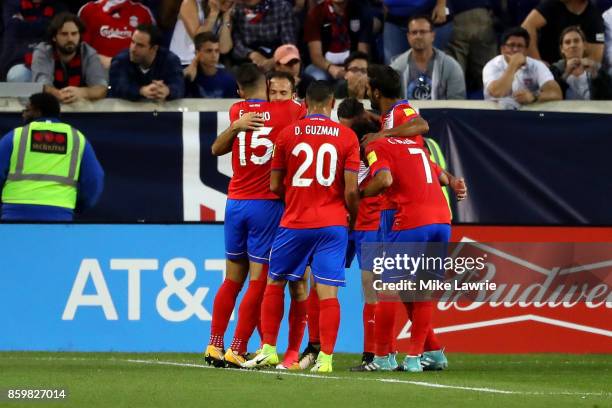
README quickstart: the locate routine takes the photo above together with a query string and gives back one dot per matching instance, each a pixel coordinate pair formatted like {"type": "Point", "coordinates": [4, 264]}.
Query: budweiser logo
{"type": "Point", "coordinates": [109, 32]}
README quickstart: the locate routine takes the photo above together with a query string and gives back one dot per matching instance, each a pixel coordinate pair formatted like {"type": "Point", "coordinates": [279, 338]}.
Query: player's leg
{"type": "Point", "coordinates": [262, 218]}
{"type": "Point", "coordinates": [328, 260]}
{"type": "Point", "coordinates": [297, 323]}
{"type": "Point", "coordinates": [236, 270]}
{"type": "Point", "coordinates": [290, 252]}
{"type": "Point", "coordinates": [309, 355]}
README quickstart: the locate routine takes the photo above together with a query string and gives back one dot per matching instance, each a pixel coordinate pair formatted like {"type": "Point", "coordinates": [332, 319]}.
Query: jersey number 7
{"type": "Point", "coordinates": [257, 140]}
{"type": "Point", "coordinates": [325, 149]}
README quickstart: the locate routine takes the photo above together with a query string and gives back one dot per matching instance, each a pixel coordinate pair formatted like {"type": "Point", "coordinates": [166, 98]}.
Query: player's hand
{"type": "Point", "coordinates": [459, 188]}
{"type": "Point", "coordinates": [336, 71]}
{"type": "Point", "coordinates": [524, 97]}
{"type": "Point", "coordinates": [351, 222]}
{"type": "Point", "coordinates": [248, 121]}
{"type": "Point", "coordinates": [369, 138]}
{"type": "Point", "coordinates": [517, 61]}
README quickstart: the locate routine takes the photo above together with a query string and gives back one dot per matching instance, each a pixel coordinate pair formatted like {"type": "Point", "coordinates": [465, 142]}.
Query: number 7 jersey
{"type": "Point", "coordinates": [252, 150]}
{"type": "Point", "coordinates": [315, 152]}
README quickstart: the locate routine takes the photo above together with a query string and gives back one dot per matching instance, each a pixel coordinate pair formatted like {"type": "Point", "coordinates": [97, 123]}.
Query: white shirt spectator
{"type": "Point", "coordinates": [181, 43]}
{"type": "Point", "coordinates": [531, 76]}
{"type": "Point", "coordinates": [607, 17]}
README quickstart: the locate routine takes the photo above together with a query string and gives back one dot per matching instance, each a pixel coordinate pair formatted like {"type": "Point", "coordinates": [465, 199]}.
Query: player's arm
{"type": "Point", "coordinates": [447, 179]}
{"type": "Point", "coordinates": [351, 196]}
{"type": "Point", "coordinates": [382, 180]}
{"type": "Point", "coordinates": [277, 182]}
{"type": "Point", "coordinates": [223, 144]}
{"type": "Point", "coordinates": [413, 127]}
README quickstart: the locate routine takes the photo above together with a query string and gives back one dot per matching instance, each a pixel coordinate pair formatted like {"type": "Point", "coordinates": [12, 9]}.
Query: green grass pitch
{"type": "Point", "coordinates": [183, 380]}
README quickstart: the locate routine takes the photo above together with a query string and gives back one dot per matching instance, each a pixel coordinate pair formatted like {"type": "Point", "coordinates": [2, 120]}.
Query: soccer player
{"type": "Point", "coordinates": [281, 86]}
{"type": "Point", "coordinates": [252, 211]}
{"type": "Point", "coordinates": [315, 168]}
{"type": "Point", "coordinates": [422, 215]}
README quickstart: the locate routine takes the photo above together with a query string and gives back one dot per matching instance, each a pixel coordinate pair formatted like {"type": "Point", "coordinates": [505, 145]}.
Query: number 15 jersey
{"type": "Point", "coordinates": [315, 152]}
{"type": "Point", "coordinates": [252, 150]}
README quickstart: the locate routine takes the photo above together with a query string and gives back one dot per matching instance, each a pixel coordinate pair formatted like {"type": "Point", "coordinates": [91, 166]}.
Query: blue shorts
{"type": "Point", "coordinates": [428, 241]}
{"type": "Point", "coordinates": [324, 249]}
{"type": "Point", "coordinates": [386, 224]}
{"type": "Point", "coordinates": [356, 238]}
{"type": "Point", "coordinates": [250, 227]}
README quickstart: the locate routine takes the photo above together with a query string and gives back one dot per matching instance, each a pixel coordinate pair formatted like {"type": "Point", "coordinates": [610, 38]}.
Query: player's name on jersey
{"type": "Point", "coordinates": [264, 115]}
{"type": "Point", "coordinates": [318, 130]}
{"type": "Point", "coordinates": [434, 285]}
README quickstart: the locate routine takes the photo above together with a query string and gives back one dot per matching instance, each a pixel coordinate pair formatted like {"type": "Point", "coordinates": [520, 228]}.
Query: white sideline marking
{"type": "Point", "coordinates": [384, 380]}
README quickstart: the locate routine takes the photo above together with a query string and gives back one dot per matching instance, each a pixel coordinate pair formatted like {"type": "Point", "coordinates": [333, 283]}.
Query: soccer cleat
{"type": "Point", "coordinates": [434, 360]}
{"type": "Point", "coordinates": [412, 364]}
{"type": "Point", "coordinates": [379, 364]}
{"type": "Point", "coordinates": [291, 367]}
{"type": "Point", "coordinates": [234, 359]}
{"type": "Point", "coordinates": [393, 361]}
{"type": "Point", "coordinates": [267, 357]}
{"type": "Point", "coordinates": [309, 356]}
{"type": "Point", "coordinates": [214, 356]}
{"type": "Point", "coordinates": [323, 364]}
{"type": "Point", "coordinates": [366, 358]}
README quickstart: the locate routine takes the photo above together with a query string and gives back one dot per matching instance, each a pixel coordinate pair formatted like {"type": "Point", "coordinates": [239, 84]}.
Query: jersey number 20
{"type": "Point", "coordinates": [325, 149]}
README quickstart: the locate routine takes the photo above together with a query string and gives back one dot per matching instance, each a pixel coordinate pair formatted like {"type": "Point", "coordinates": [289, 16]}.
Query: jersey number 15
{"type": "Point", "coordinates": [257, 140]}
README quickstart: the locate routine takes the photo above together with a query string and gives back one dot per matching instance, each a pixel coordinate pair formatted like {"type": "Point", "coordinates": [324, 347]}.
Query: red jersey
{"type": "Point", "coordinates": [252, 150]}
{"type": "Point", "coordinates": [111, 23]}
{"type": "Point", "coordinates": [368, 217]}
{"type": "Point", "coordinates": [400, 113]}
{"type": "Point", "coordinates": [416, 191]}
{"type": "Point", "coordinates": [315, 152]}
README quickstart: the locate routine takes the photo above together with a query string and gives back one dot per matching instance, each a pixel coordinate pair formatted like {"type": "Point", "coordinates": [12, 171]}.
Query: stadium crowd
{"type": "Point", "coordinates": [513, 51]}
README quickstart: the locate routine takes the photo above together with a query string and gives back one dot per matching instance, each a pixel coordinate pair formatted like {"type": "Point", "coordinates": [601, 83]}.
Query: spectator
{"type": "Point", "coordinates": [219, 21]}
{"type": "Point", "coordinates": [607, 16]}
{"type": "Point", "coordinates": [146, 70]}
{"type": "Point", "coordinates": [111, 24]}
{"type": "Point", "coordinates": [25, 24]}
{"type": "Point", "coordinates": [333, 29]}
{"type": "Point", "coordinates": [546, 22]}
{"type": "Point", "coordinates": [515, 79]}
{"type": "Point", "coordinates": [281, 86]}
{"type": "Point", "coordinates": [396, 21]}
{"type": "Point", "coordinates": [355, 77]}
{"type": "Point", "coordinates": [427, 72]}
{"type": "Point", "coordinates": [190, 22]}
{"type": "Point", "coordinates": [68, 68]}
{"type": "Point", "coordinates": [579, 77]}
{"type": "Point", "coordinates": [205, 79]}
{"type": "Point", "coordinates": [287, 59]}
{"type": "Point", "coordinates": [259, 28]}
{"type": "Point", "coordinates": [473, 41]}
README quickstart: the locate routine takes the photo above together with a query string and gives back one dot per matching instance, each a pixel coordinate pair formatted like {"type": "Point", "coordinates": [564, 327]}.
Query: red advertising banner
{"type": "Point", "coordinates": [509, 325]}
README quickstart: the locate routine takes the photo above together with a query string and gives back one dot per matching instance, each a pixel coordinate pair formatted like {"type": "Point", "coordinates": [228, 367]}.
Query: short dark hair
{"type": "Point", "coordinates": [355, 55]}
{"type": "Point", "coordinates": [421, 17]}
{"type": "Point", "coordinates": [364, 126]}
{"type": "Point", "coordinates": [281, 75]}
{"type": "Point", "coordinates": [319, 92]}
{"type": "Point", "coordinates": [386, 80]}
{"type": "Point", "coordinates": [350, 108]}
{"type": "Point", "coordinates": [515, 32]}
{"type": "Point", "coordinates": [206, 36]}
{"type": "Point", "coordinates": [248, 76]}
{"type": "Point", "coordinates": [46, 104]}
{"type": "Point", "coordinates": [58, 22]}
{"type": "Point", "coordinates": [155, 35]}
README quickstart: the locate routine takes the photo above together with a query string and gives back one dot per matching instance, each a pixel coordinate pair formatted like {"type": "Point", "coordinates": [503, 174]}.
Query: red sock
{"type": "Point", "coordinates": [369, 342]}
{"type": "Point", "coordinates": [431, 341]}
{"type": "Point", "coordinates": [272, 310]}
{"type": "Point", "coordinates": [383, 328]}
{"type": "Point", "coordinates": [421, 324]}
{"type": "Point", "coordinates": [224, 303]}
{"type": "Point", "coordinates": [313, 316]}
{"type": "Point", "coordinates": [329, 322]}
{"type": "Point", "coordinates": [297, 324]}
{"type": "Point", "coordinates": [248, 314]}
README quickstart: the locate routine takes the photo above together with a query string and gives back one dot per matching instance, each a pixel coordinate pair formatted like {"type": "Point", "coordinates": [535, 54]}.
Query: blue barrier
{"type": "Point", "coordinates": [124, 288]}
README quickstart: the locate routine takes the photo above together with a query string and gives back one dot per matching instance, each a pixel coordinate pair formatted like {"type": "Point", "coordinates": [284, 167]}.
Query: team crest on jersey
{"type": "Point", "coordinates": [134, 21]}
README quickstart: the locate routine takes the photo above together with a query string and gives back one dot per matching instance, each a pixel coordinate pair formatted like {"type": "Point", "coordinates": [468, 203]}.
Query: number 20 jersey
{"type": "Point", "coordinates": [252, 150]}
{"type": "Point", "coordinates": [315, 152]}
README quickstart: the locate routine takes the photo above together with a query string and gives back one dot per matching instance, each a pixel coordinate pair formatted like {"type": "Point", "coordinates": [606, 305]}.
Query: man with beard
{"type": "Point", "coordinates": [147, 70]}
{"type": "Point", "coordinates": [68, 68]}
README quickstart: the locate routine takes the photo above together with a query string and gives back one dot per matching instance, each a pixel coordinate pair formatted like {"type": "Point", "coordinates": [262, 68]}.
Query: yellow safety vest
{"type": "Point", "coordinates": [436, 156]}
